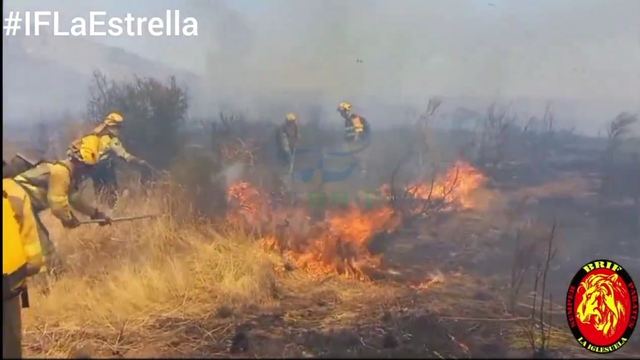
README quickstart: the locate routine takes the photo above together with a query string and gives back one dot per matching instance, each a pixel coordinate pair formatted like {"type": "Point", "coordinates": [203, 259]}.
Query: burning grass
{"type": "Point", "coordinates": [132, 285]}
{"type": "Point", "coordinates": [339, 243]}
{"type": "Point", "coordinates": [456, 188]}
{"type": "Point", "coordinates": [251, 207]}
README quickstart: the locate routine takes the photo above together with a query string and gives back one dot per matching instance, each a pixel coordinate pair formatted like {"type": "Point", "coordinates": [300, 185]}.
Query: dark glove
{"type": "Point", "coordinates": [99, 215]}
{"type": "Point", "coordinates": [71, 223]}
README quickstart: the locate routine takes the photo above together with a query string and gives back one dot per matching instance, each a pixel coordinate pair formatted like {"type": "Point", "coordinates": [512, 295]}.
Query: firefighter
{"type": "Point", "coordinates": [104, 141]}
{"type": "Point", "coordinates": [287, 138]}
{"type": "Point", "coordinates": [357, 134]}
{"type": "Point", "coordinates": [21, 257]}
{"type": "Point", "coordinates": [56, 185]}
{"type": "Point", "coordinates": [356, 127]}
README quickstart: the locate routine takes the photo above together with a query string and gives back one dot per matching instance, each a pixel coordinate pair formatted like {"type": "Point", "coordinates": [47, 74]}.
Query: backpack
{"type": "Point", "coordinates": [87, 148]}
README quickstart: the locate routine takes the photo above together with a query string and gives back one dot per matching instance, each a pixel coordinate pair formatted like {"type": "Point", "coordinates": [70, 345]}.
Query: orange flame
{"type": "Point", "coordinates": [431, 281]}
{"type": "Point", "coordinates": [340, 243]}
{"type": "Point", "coordinates": [249, 206]}
{"type": "Point", "coordinates": [455, 188]}
{"type": "Point", "coordinates": [337, 245]}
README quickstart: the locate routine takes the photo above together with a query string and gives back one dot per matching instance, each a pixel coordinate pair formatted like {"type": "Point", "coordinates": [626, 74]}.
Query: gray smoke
{"type": "Point", "coordinates": [264, 58]}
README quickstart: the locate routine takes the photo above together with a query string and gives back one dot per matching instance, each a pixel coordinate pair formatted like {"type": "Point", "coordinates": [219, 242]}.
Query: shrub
{"type": "Point", "coordinates": [154, 111]}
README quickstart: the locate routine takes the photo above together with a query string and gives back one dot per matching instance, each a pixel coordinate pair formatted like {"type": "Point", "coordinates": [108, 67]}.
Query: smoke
{"type": "Point", "coordinates": [232, 173]}
{"type": "Point", "coordinates": [455, 48]}
{"type": "Point", "coordinates": [265, 58]}
{"type": "Point", "coordinates": [381, 54]}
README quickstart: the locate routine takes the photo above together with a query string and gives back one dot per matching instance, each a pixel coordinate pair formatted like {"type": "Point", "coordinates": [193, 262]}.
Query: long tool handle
{"type": "Point", "coordinates": [118, 219]}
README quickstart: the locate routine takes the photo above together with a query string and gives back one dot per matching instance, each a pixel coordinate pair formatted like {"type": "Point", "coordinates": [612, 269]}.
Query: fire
{"type": "Point", "coordinates": [436, 279]}
{"type": "Point", "coordinates": [249, 205]}
{"type": "Point", "coordinates": [359, 226]}
{"type": "Point", "coordinates": [337, 245]}
{"type": "Point", "coordinates": [455, 188]}
{"type": "Point", "coordinates": [340, 242]}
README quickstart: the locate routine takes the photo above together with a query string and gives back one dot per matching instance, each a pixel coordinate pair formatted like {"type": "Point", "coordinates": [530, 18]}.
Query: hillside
{"type": "Point", "coordinates": [45, 78]}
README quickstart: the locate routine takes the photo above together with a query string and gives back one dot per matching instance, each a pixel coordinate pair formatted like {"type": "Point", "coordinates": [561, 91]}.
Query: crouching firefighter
{"type": "Point", "coordinates": [56, 186]}
{"type": "Point", "coordinates": [104, 141]}
{"type": "Point", "coordinates": [21, 257]}
{"type": "Point", "coordinates": [287, 139]}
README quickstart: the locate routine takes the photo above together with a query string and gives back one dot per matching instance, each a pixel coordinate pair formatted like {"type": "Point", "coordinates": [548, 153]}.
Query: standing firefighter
{"type": "Point", "coordinates": [356, 133]}
{"type": "Point", "coordinates": [105, 143]}
{"type": "Point", "coordinates": [287, 139]}
{"type": "Point", "coordinates": [57, 185]}
{"type": "Point", "coordinates": [21, 257]}
{"type": "Point", "coordinates": [356, 127]}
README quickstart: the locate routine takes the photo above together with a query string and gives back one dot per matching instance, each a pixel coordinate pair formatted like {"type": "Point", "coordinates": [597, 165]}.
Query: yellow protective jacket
{"type": "Point", "coordinates": [55, 186]}
{"type": "Point", "coordinates": [356, 127]}
{"type": "Point", "coordinates": [103, 142]}
{"type": "Point", "coordinates": [20, 241]}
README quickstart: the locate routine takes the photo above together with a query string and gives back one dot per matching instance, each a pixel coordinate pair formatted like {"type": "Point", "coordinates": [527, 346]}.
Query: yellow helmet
{"type": "Point", "coordinates": [291, 117]}
{"type": "Point", "coordinates": [113, 119]}
{"type": "Point", "coordinates": [344, 106]}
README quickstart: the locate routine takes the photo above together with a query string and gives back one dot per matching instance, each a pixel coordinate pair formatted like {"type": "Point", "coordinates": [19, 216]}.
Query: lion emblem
{"type": "Point", "coordinates": [601, 304]}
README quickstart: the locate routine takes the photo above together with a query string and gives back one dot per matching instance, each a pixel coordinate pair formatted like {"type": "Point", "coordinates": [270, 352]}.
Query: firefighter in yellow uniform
{"type": "Point", "coordinates": [356, 127]}
{"type": "Point", "coordinates": [57, 185]}
{"type": "Point", "coordinates": [105, 143]}
{"type": "Point", "coordinates": [21, 257]}
{"type": "Point", "coordinates": [357, 134]}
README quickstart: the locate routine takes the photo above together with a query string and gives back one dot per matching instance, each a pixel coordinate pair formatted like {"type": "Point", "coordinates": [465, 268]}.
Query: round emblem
{"type": "Point", "coordinates": [602, 306]}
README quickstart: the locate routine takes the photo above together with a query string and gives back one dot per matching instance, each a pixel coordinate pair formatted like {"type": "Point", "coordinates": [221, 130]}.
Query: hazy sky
{"type": "Point", "coordinates": [579, 49]}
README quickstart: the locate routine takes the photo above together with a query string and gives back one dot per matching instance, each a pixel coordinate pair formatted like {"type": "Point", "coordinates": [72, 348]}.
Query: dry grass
{"type": "Point", "coordinates": [133, 274]}
{"type": "Point", "coordinates": [182, 286]}
{"type": "Point", "coordinates": [175, 284]}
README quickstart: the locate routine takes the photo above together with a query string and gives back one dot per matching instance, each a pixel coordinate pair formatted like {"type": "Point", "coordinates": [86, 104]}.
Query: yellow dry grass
{"type": "Point", "coordinates": [155, 287]}
{"type": "Point", "coordinates": [133, 273]}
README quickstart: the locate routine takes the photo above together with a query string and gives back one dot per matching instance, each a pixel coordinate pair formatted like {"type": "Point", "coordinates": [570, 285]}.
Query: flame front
{"type": "Point", "coordinates": [455, 188]}
{"type": "Point", "coordinates": [337, 245]}
{"type": "Point", "coordinates": [340, 243]}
